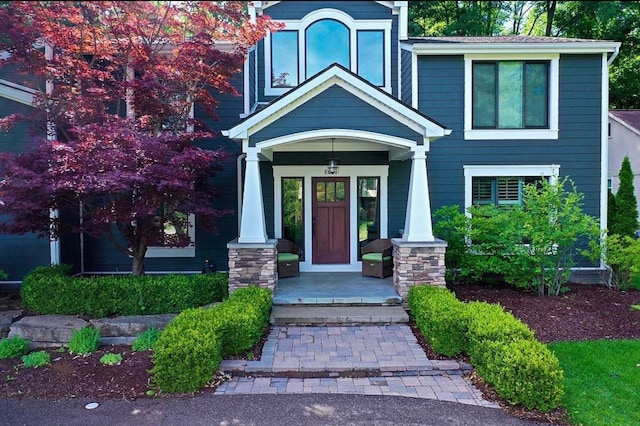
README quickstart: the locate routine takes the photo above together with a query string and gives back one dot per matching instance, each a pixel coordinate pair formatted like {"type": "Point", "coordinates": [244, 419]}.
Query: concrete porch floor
{"type": "Point", "coordinates": [331, 288]}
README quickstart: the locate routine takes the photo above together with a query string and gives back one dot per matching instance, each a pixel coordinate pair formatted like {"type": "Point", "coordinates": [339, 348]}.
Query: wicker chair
{"type": "Point", "coordinates": [288, 259]}
{"type": "Point", "coordinates": [377, 258]}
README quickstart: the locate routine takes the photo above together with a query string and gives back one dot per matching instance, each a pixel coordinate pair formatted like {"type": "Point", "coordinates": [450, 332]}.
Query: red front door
{"type": "Point", "coordinates": [330, 224]}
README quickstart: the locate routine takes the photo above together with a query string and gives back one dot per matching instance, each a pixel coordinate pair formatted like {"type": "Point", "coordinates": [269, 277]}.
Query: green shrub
{"type": "Point", "coordinates": [36, 359]}
{"type": "Point", "coordinates": [13, 347]}
{"type": "Point", "coordinates": [526, 372]}
{"type": "Point", "coordinates": [84, 341]}
{"type": "Point", "coordinates": [191, 347]}
{"type": "Point", "coordinates": [489, 325]}
{"type": "Point", "coordinates": [111, 359]}
{"type": "Point", "coordinates": [440, 317]}
{"type": "Point", "coordinates": [50, 290]}
{"type": "Point", "coordinates": [188, 352]}
{"type": "Point", "coordinates": [147, 340]}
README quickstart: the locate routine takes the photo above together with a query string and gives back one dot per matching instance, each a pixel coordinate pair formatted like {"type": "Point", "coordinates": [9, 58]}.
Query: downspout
{"type": "Point", "coordinates": [81, 239]}
{"type": "Point", "coordinates": [239, 181]}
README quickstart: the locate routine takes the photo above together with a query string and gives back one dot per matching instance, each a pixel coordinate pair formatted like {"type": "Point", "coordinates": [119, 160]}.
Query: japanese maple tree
{"type": "Point", "coordinates": [116, 83]}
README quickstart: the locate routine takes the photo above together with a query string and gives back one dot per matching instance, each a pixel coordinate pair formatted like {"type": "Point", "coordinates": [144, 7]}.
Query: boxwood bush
{"type": "Point", "coordinates": [51, 290]}
{"type": "Point", "coordinates": [502, 348]}
{"type": "Point", "coordinates": [191, 347]}
{"type": "Point", "coordinates": [440, 318]}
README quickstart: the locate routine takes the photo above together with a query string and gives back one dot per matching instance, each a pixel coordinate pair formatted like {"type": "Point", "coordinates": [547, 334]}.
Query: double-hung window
{"type": "Point", "coordinates": [510, 98]}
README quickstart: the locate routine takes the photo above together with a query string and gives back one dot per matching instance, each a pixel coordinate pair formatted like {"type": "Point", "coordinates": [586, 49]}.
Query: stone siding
{"type": "Point", "coordinates": [252, 264]}
{"type": "Point", "coordinates": [418, 263]}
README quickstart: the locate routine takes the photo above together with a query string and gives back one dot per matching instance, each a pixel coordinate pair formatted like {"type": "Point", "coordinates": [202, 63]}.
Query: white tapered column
{"type": "Point", "coordinates": [253, 227]}
{"type": "Point", "coordinates": [417, 223]}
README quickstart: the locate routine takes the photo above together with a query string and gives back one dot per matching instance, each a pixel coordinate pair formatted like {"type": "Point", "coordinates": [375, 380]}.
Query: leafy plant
{"type": "Point", "coordinates": [84, 341]}
{"type": "Point", "coordinates": [36, 359]}
{"type": "Point", "coordinates": [147, 340]}
{"type": "Point", "coordinates": [111, 359]}
{"type": "Point", "coordinates": [13, 347]}
{"type": "Point", "coordinates": [621, 254]}
{"type": "Point", "coordinates": [533, 245]}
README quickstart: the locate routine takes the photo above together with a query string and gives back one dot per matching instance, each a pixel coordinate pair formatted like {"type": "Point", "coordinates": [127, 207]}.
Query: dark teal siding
{"type": "Point", "coordinates": [398, 191]}
{"type": "Point", "coordinates": [20, 253]}
{"type": "Point", "coordinates": [335, 108]}
{"type": "Point", "coordinates": [577, 151]}
{"type": "Point", "coordinates": [406, 77]}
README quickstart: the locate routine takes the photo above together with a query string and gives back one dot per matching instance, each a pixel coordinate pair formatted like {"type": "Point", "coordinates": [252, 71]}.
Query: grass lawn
{"type": "Point", "coordinates": [601, 380]}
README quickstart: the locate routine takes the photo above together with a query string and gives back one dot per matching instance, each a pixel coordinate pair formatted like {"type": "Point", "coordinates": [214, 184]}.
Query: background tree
{"type": "Point", "coordinates": [625, 216]}
{"type": "Point", "coordinates": [599, 20]}
{"type": "Point", "coordinates": [122, 78]}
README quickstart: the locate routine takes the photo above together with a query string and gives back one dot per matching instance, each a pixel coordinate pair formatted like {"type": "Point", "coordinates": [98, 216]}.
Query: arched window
{"type": "Point", "coordinates": [327, 41]}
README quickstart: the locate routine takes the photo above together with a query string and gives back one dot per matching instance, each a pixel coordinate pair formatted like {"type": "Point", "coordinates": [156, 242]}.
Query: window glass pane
{"type": "Point", "coordinates": [536, 95]}
{"type": "Point", "coordinates": [320, 192]}
{"type": "Point", "coordinates": [368, 210]}
{"type": "Point", "coordinates": [327, 41]}
{"type": "Point", "coordinates": [284, 59]}
{"type": "Point", "coordinates": [339, 191]}
{"type": "Point", "coordinates": [293, 210]}
{"type": "Point", "coordinates": [371, 56]}
{"type": "Point", "coordinates": [484, 95]}
{"type": "Point", "coordinates": [331, 191]}
{"type": "Point", "coordinates": [510, 95]}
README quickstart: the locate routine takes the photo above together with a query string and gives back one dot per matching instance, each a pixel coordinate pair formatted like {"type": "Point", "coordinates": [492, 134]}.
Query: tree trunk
{"type": "Point", "coordinates": [137, 269]}
{"type": "Point", "coordinates": [138, 253]}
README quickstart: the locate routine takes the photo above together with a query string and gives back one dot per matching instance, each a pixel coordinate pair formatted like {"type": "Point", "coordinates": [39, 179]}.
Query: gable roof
{"type": "Point", "coordinates": [336, 74]}
{"type": "Point", "coordinates": [630, 118]}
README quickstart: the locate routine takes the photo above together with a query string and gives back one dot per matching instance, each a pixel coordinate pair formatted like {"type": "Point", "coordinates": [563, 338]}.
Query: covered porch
{"type": "Point", "coordinates": [379, 148]}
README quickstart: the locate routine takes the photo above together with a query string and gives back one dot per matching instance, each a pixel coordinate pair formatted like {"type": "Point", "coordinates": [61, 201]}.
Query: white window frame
{"type": "Point", "coordinates": [551, 171]}
{"type": "Point", "coordinates": [518, 134]}
{"type": "Point", "coordinates": [353, 25]}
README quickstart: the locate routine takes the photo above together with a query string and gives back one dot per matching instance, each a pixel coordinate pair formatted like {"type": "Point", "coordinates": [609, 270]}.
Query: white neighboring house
{"type": "Point", "coordinates": [624, 140]}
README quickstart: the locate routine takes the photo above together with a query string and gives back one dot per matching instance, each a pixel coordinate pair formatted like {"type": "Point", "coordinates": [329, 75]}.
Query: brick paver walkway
{"type": "Point", "coordinates": [364, 359]}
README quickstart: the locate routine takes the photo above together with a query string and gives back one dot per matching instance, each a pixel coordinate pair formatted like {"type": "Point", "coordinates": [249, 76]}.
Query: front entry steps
{"type": "Point", "coordinates": [337, 314]}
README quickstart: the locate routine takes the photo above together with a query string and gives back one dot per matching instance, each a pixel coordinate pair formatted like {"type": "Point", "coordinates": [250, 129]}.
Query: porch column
{"type": "Point", "coordinates": [253, 227]}
{"type": "Point", "coordinates": [417, 222]}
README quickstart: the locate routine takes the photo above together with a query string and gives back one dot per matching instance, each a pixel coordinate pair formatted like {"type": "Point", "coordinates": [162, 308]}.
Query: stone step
{"type": "Point", "coordinates": [339, 314]}
{"type": "Point", "coordinates": [265, 368]}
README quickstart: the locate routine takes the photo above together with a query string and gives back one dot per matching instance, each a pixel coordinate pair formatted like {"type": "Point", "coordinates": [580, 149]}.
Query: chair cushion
{"type": "Point", "coordinates": [287, 257]}
{"type": "Point", "coordinates": [374, 257]}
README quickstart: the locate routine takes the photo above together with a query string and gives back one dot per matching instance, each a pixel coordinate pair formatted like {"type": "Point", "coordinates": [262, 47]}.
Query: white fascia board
{"type": "Point", "coordinates": [511, 48]}
{"type": "Point", "coordinates": [336, 75]}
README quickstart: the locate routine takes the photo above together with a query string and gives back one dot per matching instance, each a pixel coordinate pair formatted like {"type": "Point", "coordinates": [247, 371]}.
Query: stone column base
{"type": "Point", "coordinates": [418, 263]}
{"type": "Point", "coordinates": [252, 264]}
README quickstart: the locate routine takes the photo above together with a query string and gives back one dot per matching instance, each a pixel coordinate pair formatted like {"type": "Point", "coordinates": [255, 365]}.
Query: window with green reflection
{"type": "Point", "coordinates": [293, 210]}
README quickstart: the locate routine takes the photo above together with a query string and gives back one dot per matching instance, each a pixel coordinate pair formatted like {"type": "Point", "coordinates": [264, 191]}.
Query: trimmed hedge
{"type": "Point", "coordinates": [440, 317]}
{"type": "Point", "coordinates": [489, 324]}
{"type": "Point", "coordinates": [50, 290]}
{"type": "Point", "coordinates": [193, 344]}
{"type": "Point", "coordinates": [502, 348]}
